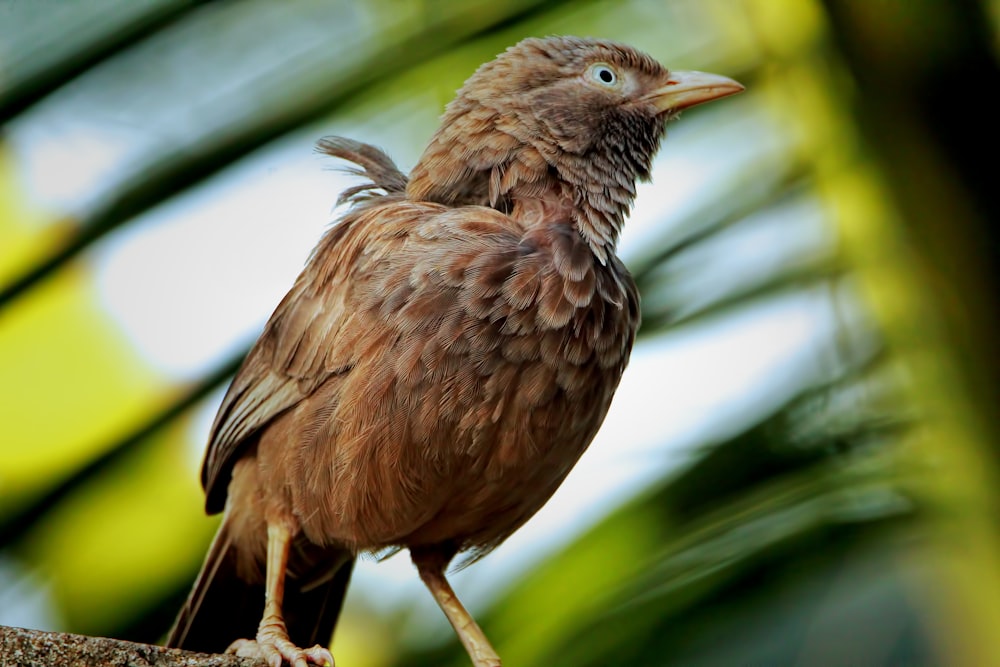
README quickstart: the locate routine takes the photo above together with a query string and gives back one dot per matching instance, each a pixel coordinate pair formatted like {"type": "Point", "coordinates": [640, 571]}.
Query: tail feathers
{"type": "Point", "coordinates": [373, 164]}
{"type": "Point", "coordinates": [311, 612]}
{"type": "Point", "coordinates": [222, 607]}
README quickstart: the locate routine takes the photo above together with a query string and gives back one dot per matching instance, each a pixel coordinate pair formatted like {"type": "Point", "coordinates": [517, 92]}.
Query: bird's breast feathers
{"type": "Point", "coordinates": [490, 349]}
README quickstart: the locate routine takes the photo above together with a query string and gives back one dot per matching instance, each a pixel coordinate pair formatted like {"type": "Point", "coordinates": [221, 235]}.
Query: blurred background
{"type": "Point", "coordinates": [800, 467]}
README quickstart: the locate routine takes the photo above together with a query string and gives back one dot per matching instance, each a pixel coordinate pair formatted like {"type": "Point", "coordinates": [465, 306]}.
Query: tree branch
{"type": "Point", "coordinates": [33, 648]}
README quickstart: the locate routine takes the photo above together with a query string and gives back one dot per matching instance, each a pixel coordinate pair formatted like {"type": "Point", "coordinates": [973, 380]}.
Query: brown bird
{"type": "Point", "coordinates": [446, 355]}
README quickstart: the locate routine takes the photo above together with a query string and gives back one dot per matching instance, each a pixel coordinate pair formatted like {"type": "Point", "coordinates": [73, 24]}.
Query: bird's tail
{"type": "Point", "coordinates": [222, 607]}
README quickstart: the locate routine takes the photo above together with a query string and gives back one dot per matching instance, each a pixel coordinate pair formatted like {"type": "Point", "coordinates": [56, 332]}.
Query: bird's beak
{"type": "Point", "coordinates": [686, 89]}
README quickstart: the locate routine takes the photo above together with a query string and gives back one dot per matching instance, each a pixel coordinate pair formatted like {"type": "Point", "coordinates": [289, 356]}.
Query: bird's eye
{"type": "Point", "coordinates": [603, 74]}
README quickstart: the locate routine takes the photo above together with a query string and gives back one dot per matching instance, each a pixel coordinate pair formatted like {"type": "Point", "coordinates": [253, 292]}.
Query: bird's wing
{"type": "Point", "coordinates": [309, 338]}
{"type": "Point", "coordinates": [394, 284]}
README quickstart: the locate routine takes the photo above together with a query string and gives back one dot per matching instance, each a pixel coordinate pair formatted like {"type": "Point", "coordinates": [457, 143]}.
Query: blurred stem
{"type": "Point", "coordinates": [67, 55]}
{"type": "Point", "coordinates": [918, 68]}
{"type": "Point", "coordinates": [918, 110]}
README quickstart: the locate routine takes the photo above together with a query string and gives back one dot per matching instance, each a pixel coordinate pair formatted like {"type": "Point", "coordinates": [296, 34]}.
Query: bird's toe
{"type": "Point", "coordinates": [278, 650]}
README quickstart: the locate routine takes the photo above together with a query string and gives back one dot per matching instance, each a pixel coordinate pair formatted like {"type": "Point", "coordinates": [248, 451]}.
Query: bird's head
{"type": "Point", "coordinates": [560, 116]}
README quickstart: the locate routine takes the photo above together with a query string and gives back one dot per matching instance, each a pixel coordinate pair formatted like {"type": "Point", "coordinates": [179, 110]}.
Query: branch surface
{"type": "Point", "coordinates": [34, 648]}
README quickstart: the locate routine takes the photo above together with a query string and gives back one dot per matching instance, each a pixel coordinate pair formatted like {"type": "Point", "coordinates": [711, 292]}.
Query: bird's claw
{"type": "Point", "coordinates": [277, 650]}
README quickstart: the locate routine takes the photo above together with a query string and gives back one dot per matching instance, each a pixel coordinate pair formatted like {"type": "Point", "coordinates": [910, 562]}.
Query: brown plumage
{"type": "Point", "coordinates": [446, 356]}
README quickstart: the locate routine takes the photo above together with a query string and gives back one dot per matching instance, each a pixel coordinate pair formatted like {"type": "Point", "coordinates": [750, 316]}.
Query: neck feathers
{"type": "Point", "coordinates": [481, 157]}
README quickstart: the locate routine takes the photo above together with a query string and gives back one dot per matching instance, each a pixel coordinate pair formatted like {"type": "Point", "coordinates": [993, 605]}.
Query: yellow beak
{"type": "Point", "coordinates": [686, 89]}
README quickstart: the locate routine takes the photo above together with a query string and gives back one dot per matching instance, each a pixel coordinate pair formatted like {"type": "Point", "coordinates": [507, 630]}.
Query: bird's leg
{"type": "Point", "coordinates": [272, 643]}
{"type": "Point", "coordinates": [431, 566]}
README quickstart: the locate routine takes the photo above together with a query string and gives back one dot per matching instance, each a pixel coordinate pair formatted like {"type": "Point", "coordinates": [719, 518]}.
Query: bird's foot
{"type": "Point", "coordinates": [276, 649]}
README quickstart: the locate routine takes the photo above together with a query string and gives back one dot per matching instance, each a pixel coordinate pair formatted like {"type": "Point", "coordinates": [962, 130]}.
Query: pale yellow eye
{"type": "Point", "coordinates": [603, 74]}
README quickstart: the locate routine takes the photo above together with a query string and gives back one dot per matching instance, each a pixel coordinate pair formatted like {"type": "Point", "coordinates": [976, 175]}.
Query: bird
{"type": "Point", "coordinates": [445, 357]}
